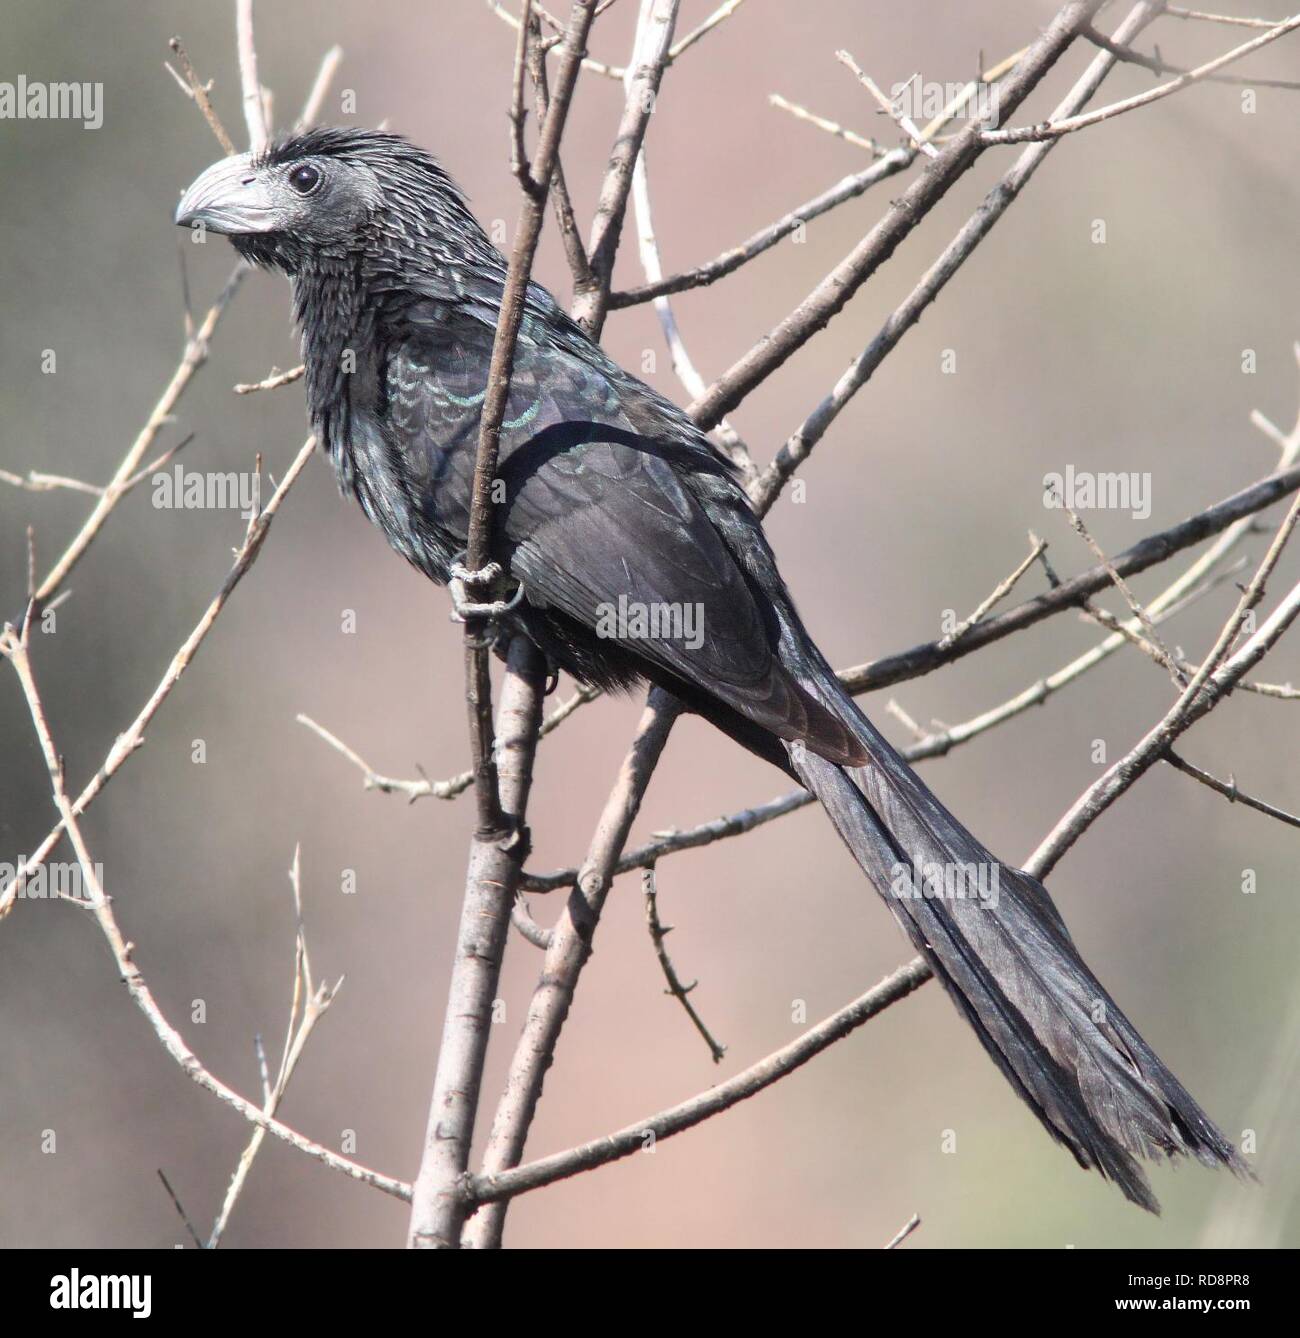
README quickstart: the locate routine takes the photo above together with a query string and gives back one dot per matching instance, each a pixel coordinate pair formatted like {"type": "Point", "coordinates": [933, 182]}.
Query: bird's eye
{"type": "Point", "coordinates": [304, 179]}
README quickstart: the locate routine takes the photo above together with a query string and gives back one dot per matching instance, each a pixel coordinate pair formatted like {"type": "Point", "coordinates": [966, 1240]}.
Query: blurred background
{"type": "Point", "coordinates": [1126, 355]}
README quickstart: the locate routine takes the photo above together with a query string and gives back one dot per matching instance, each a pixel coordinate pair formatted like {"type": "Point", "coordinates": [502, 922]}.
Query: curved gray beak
{"type": "Point", "coordinates": [230, 197]}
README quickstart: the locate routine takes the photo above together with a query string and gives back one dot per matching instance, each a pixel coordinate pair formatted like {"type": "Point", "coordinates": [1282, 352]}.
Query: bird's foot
{"type": "Point", "coordinates": [464, 583]}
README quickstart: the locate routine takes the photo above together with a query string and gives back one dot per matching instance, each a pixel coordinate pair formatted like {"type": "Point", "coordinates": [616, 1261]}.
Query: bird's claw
{"type": "Point", "coordinates": [462, 580]}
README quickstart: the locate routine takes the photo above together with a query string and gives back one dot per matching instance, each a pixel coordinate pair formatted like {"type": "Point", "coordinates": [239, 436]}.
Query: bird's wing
{"type": "Point", "coordinates": [598, 520]}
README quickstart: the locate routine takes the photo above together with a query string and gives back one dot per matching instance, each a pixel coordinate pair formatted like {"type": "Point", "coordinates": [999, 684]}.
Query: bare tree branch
{"type": "Point", "coordinates": [831, 295]}
{"type": "Point", "coordinates": [849, 188]}
{"type": "Point", "coordinates": [320, 88]}
{"type": "Point", "coordinates": [801, 443]}
{"type": "Point", "coordinates": [1055, 129]}
{"type": "Point", "coordinates": [307, 1006]}
{"type": "Point", "coordinates": [1158, 66]}
{"type": "Point", "coordinates": [196, 354]}
{"type": "Point", "coordinates": [273, 382]}
{"type": "Point", "coordinates": [996, 596]}
{"type": "Point", "coordinates": [831, 127]}
{"type": "Point", "coordinates": [654, 35]}
{"type": "Point", "coordinates": [676, 987]}
{"type": "Point", "coordinates": [1229, 789]}
{"type": "Point", "coordinates": [438, 1205]}
{"type": "Point", "coordinates": [904, 1231]}
{"type": "Point", "coordinates": [255, 117]}
{"type": "Point", "coordinates": [133, 737]}
{"type": "Point", "coordinates": [424, 788]}
{"type": "Point", "coordinates": [15, 650]}
{"type": "Point", "coordinates": [478, 550]}
{"type": "Point", "coordinates": [497, 1187]}
{"type": "Point", "coordinates": [1177, 12]}
{"type": "Point", "coordinates": [569, 949]}
{"type": "Point", "coordinates": [198, 92]}
{"type": "Point", "coordinates": [1216, 678]}
{"type": "Point", "coordinates": [1074, 592]}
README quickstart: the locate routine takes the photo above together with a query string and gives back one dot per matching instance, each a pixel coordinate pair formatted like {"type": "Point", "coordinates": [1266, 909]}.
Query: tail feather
{"type": "Point", "coordinates": [1005, 957]}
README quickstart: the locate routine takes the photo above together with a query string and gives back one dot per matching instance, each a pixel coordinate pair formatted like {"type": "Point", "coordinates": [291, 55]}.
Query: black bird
{"type": "Point", "coordinates": [618, 523]}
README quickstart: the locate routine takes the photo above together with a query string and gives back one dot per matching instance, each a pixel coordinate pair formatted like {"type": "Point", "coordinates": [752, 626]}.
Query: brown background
{"type": "Point", "coordinates": [1122, 356]}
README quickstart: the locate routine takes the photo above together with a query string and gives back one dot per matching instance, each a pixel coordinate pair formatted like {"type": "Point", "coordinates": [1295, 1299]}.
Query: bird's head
{"type": "Point", "coordinates": [322, 192]}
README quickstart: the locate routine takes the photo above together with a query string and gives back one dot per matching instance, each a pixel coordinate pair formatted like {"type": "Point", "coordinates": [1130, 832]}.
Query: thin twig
{"type": "Point", "coordinates": [1056, 128]}
{"type": "Point", "coordinates": [654, 35]}
{"type": "Point", "coordinates": [320, 88]}
{"type": "Point", "coordinates": [1229, 789]}
{"type": "Point", "coordinates": [904, 1231]}
{"type": "Point", "coordinates": [424, 788]}
{"type": "Point", "coordinates": [619, 72]}
{"type": "Point", "coordinates": [198, 91]}
{"type": "Point", "coordinates": [519, 163]}
{"type": "Point", "coordinates": [184, 1216]}
{"type": "Point", "coordinates": [723, 11]}
{"type": "Point", "coordinates": [196, 354]}
{"type": "Point", "coordinates": [133, 736]}
{"type": "Point", "coordinates": [668, 843]}
{"type": "Point", "coordinates": [833, 293]}
{"type": "Point", "coordinates": [308, 1003]}
{"type": "Point", "coordinates": [373, 780]}
{"type": "Point", "coordinates": [678, 990]}
{"type": "Point", "coordinates": [38, 482]}
{"type": "Point", "coordinates": [1074, 592]}
{"type": "Point", "coordinates": [522, 919]}
{"type": "Point", "coordinates": [101, 906]}
{"type": "Point", "coordinates": [876, 150]}
{"type": "Point", "coordinates": [1166, 657]}
{"type": "Point", "coordinates": [849, 188]}
{"type": "Point", "coordinates": [1217, 677]}
{"type": "Point", "coordinates": [274, 381]}
{"type": "Point", "coordinates": [727, 438]}
{"type": "Point", "coordinates": [800, 444]}
{"type": "Point", "coordinates": [490, 1188]}
{"type": "Point", "coordinates": [999, 592]}
{"type": "Point", "coordinates": [910, 129]}
{"type": "Point", "coordinates": [1177, 12]}
{"type": "Point", "coordinates": [1158, 66]}
{"type": "Point", "coordinates": [566, 219]}
{"type": "Point", "coordinates": [255, 117]}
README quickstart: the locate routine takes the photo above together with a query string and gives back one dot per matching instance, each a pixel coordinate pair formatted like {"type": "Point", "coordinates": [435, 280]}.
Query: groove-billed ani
{"type": "Point", "coordinates": [614, 502]}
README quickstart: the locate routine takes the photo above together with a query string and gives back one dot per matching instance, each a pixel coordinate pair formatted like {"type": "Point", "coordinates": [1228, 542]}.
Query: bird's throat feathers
{"type": "Point", "coordinates": [416, 237]}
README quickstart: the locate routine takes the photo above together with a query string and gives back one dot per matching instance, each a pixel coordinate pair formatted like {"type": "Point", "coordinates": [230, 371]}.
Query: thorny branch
{"type": "Point", "coordinates": [676, 986]}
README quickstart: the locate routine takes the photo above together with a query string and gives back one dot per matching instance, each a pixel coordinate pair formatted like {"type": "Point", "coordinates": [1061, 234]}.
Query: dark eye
{"type": "Point", "coordinates": [304, 179]}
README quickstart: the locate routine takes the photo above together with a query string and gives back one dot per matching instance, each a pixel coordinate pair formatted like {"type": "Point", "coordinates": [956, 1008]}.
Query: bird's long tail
{"type": "Point", "coordinates": [993, 937]}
